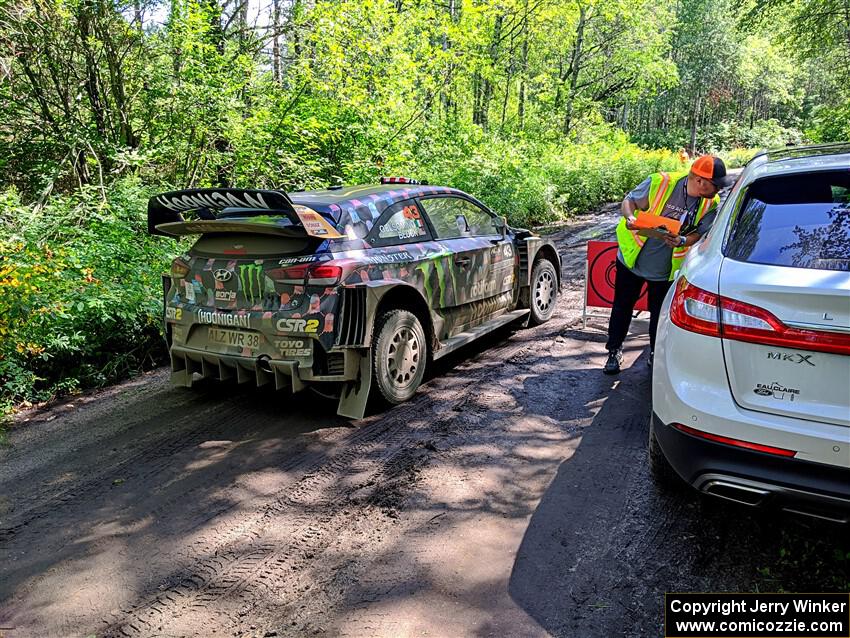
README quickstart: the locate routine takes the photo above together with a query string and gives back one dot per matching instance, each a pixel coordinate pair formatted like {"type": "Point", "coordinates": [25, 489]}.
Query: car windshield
{"type": "Point", "coordinates": [802, 221]}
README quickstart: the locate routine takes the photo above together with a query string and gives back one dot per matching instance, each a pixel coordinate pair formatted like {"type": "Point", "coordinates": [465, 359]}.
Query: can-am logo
{"type": "Point", "coordinates": [223, 275]}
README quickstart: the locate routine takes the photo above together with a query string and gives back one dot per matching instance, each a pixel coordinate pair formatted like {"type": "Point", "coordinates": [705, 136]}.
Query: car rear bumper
{"type": "Point", "coordinates": [756, 478]}
{"type": "Point", "coordinates": [261, 370]}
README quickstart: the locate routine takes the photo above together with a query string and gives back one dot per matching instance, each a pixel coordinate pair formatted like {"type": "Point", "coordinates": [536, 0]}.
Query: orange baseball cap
{"type": "Point", "coordinates": [711, 168]}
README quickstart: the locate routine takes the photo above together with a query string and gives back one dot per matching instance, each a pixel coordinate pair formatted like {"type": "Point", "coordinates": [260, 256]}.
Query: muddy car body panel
{"type": "Point", "coordinates": [287, 288]}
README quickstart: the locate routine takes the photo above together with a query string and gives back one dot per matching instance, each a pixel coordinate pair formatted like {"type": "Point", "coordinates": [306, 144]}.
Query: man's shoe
{"type": "Point", "coordinates": [615, 359]}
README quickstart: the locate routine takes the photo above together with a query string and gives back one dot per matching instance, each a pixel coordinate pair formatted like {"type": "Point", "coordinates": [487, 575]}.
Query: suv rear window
{"type": "Point", "coordinates": [801, 221]}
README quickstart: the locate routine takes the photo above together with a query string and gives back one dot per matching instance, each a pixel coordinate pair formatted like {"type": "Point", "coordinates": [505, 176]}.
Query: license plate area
{"type": "Point", "coordinates": [234, 338]}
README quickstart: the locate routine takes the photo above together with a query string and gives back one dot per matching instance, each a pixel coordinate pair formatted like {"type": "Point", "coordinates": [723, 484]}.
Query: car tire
{"type": "Point", "coordinates": [399, 355]}
{"type": "Point", "coordinates": [663, 475]}
{"type": "Point", "coordinates": [543, 291]}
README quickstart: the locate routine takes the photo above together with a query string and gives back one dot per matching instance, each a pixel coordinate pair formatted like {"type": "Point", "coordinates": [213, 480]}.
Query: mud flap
{"type": "Point", "coordinates": [180, 374]}
{"type": "Point", "coordinates": [355, 394]}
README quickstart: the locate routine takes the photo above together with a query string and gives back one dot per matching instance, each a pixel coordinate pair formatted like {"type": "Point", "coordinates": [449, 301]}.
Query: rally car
{"type": "Point", "coordinates": [352, 289]}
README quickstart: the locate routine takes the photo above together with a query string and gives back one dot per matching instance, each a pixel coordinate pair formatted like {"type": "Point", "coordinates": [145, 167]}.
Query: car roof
{"type": "Point", "coordinates": [799, 159]}
{"type": "Point", "coordinates": [809, 151]}
{"type": "Point", "coordinates": [355, 209]}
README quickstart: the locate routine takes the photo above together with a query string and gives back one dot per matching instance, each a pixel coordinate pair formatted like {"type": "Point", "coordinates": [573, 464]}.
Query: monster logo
{"type": "Point", "coordinates": [251, 280]}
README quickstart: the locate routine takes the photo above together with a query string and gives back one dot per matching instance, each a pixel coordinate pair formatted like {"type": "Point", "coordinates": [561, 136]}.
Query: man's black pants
{"type": "Point", "coordinates": [627, 287]}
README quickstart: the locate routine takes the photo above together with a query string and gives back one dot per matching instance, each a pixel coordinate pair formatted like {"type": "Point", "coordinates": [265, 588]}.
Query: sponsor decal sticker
{"type": "Point", "coordinates": [293, 347]}
{"type": "Point", "coordinates": [301, 259]}
{"type": "Point", "coordinates": [223, 319]}
{"type": "Point", "coordinates": [402, 226]}
{"type": "Point", "coordinates": [389, 258]}
{"type": "Point", "coordinates": [411, 212]}
{"type": "Point", "coordinates": [175, 314]}
{"type": "Point", "coordinates": [211, 200]}
{"type": "Point", "coordinates": [225, 295]}
{"type": "Point", "coordinates": [297, 326]}
{"type": "Point", "coordinates": [483, 287]}
{"type": "Point", "coordinates": [315, 224]}
{"type": "Point", "coordinates": [251, 279]}
{"type": "Point", "coordinates": [776, 390]}
{"type": "Point", "coordinates": [189, 288]}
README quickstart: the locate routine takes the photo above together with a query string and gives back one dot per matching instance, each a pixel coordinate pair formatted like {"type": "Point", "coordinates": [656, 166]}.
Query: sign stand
{"type": "Point", "coordinates": [587, 312]}
{"type": "Point", "coordinates": [599, 276]}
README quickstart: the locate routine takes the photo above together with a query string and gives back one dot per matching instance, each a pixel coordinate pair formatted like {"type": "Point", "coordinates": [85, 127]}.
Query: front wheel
{"type": "Point", "coordinates": [399, 354]}
{"type": "Point", "coordinates": [543, 292]}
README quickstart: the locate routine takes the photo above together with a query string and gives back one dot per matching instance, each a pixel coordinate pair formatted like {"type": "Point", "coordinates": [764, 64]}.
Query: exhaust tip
{"type": "Point", "coordinates": [264, 363]}
{"type": "Point", "coordinates": [743, 494]}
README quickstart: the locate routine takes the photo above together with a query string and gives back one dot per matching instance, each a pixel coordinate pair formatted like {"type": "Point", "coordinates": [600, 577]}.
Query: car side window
{"type": "Point", "coordinates": [481, 223]}
{"type": "Point", "coordinates": [400, 223]}
{"type": "Point", "coordinates": [455, 217]}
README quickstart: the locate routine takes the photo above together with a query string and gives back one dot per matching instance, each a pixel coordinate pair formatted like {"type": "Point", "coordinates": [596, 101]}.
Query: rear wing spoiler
{"type": "Point", "coordinates": [206, 203]}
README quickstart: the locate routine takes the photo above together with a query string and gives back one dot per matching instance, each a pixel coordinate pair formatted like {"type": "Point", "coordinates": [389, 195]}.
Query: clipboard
{"type": "Point", "coordinates": [657, 226]}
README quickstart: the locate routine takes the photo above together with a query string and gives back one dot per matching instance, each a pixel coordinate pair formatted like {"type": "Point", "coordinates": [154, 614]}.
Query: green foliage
{"type": "Point", "coordinates": [737, 157]}
{"type": "Point", "coordinates": [528, 105]}
{"type": "Point", "coordinates": [78, 292]}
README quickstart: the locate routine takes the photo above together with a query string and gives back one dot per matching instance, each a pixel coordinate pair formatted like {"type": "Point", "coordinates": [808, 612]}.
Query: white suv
{"type": "Point", "coordinates": [751, 382]}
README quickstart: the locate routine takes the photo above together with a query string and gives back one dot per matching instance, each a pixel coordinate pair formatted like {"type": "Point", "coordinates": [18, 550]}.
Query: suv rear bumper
{"type": "Point", "coordinates": [756, 478]}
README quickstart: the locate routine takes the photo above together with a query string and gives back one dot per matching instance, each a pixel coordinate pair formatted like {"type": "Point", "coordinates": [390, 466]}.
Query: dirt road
{"type": "Point", "coordinates": [509, 498]}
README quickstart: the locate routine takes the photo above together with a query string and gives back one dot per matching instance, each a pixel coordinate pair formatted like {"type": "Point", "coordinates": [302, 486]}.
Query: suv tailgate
{"type": "Point", "coordinates": [789, 254]}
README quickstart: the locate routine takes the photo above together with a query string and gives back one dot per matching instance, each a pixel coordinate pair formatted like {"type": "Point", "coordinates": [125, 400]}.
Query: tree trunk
{"type": "Point", "coordinates": [524, 74]}
{"type": "Point", "coordinates": [695, 124]}
{"type": "Point", "coordinates": [573, 71]}
{"type": "Point", "coordinates": [276, 74]}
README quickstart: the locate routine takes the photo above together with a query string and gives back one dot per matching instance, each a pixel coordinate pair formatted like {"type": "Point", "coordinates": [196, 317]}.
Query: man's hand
{"type": "Point", "coordinates": [674, 241]}
{"type": "Point", "coordinates": [630, 222]}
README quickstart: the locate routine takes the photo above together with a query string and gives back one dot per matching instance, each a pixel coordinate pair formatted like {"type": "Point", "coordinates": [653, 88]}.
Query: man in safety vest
{"type": "Point", "coordinates": [690, 198]}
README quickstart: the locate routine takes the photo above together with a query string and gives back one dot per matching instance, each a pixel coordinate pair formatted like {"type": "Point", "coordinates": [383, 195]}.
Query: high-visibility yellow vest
{"type": "Point", "coordinates": [661, 187]}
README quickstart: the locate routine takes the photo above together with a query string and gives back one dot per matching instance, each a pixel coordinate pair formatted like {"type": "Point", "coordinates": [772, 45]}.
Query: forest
{"type": "Point", "coordinates": [541, 108]}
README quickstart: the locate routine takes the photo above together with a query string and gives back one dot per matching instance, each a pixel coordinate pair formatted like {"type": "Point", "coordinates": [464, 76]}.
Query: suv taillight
{"type": "Point", "coordinates": [695, 309]}
{"type": "Point", "coordinates": [703, 312]}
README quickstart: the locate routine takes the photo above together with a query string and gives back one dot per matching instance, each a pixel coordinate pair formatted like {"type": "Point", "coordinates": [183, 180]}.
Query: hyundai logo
{"type": "Point", "coordinates": [223, 275]}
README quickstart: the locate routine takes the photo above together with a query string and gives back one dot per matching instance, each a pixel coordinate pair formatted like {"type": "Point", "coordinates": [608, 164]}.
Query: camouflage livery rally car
{"type": "Point", "coordinates": [356, 288]}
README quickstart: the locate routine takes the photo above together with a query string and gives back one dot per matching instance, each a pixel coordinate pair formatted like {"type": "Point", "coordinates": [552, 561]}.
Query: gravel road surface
{"type": "Point", "coordinates": [510, 497]}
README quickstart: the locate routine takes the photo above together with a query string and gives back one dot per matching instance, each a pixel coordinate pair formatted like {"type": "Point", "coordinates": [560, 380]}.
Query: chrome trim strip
{"type": "Point", "coordinates": [819, 327]}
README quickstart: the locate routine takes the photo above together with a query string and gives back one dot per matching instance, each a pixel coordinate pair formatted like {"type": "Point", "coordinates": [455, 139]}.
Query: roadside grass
{"type": "Point", "coordinates": [817, 559]}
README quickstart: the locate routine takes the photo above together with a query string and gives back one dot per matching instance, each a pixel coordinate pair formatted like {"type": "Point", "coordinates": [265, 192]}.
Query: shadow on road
{"type": "Point", "coordinates": [603, 546]}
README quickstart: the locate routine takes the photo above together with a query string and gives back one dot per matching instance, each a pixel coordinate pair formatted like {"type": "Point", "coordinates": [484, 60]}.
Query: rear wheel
{"type": "Point", "coordinates": [663, 475]}
{"type": "Point", "coordinates": [543, 292]}
{"type": "Point", "coordinates": [399, 354]}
